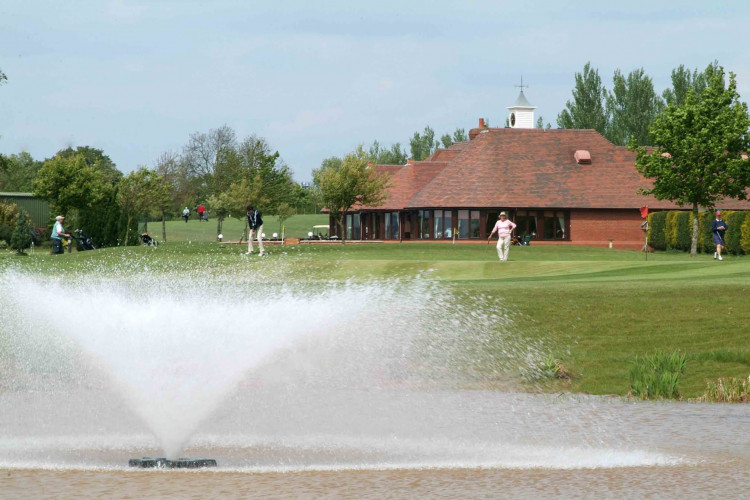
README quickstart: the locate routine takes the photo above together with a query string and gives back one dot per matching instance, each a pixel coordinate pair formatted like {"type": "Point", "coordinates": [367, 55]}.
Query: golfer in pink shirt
{"type": "Point", "coordinates": [503, 228]}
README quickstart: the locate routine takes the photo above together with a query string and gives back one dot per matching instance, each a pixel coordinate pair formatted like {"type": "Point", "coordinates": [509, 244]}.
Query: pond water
{"type": "Point", "coordinates": [345, 390]}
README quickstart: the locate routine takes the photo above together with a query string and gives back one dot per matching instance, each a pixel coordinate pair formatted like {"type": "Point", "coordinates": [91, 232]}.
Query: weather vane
{"type": "Point", "coordinates": [522, 85]}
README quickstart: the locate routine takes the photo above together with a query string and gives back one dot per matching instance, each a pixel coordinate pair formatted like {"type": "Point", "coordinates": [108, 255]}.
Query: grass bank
{"type": "Point", "coordinates": [598, 308]}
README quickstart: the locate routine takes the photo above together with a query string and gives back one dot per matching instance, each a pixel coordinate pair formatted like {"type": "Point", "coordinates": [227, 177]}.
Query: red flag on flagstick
{"type": "Point", "coordinates": [644, 212]}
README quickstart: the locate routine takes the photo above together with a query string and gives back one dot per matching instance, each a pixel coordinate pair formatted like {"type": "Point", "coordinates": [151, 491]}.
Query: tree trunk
{"type": "Point", "coordinates": [245, 231]}
{"type": "Point", "coordinates": [127, 231]}
{"type": "Point", "coordinates": [163, 227]}
{"type": "Point", "coordinates": [694, 239]}
{"type": "Point", "coordinates": [145, 225]}
{"type": "Point", "coordinates": [219, 220]}
{"type": "Point", "coordinates": [340, 223]}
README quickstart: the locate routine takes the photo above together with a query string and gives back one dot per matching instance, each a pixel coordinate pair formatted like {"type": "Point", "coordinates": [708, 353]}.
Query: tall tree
{"type": "Point", "coordinates": [423, 145]}
{"type": "Point", "coordinates": [137, 194]}
{"type": "Point", "coordinates": [633, 105]}
{"type": "Point", "coordinates": [17, 172]}
{"type": "Point", "coordinates": [205, 150]}
{"type": "Point", "coordinates": [349, 182]}
{"type": "Point", "coordinates": [683, 80]}
{"type": "Point", "coordinates": [95, 158]}
{"type": "Point", "coordinates": [384, 156]}
{"type": "Point", "coordinates": [166, 167]}
{"type": "Point", "coordinates": [588, 108]}
{"type": "Point", "coordinates": [459, 135]}
{"type": "Point", "coordinates": [71, 183]}
{"type": "Point", "coordinates": [699, 146]}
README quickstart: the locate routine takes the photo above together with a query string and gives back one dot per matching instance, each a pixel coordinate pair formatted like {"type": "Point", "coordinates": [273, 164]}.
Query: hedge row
{"type": "Point", "coordinates": [673, 230]}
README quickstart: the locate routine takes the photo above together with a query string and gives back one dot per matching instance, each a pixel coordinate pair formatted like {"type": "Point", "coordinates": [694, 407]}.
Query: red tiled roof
{"type": "Point", "coordinates": [406, 181]}
{"type": "Point", "coordinates": [506, 167]}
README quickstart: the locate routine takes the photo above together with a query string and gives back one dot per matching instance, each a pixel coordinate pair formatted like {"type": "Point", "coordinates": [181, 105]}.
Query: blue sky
{"type": "Point", "coordinates": [136, 78]}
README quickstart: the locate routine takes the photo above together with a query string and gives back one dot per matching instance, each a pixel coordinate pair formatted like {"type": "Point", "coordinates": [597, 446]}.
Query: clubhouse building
{"type": "Point", "coordinates": [558, 186]}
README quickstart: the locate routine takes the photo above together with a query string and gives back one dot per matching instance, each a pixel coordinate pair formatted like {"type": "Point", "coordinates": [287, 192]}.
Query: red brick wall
{"type": "Point", "coordinates": [597, 227]}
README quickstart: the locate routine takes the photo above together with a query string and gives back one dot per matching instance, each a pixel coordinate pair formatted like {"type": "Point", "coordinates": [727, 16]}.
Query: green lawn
{"type": "Point", "coordinates": [296, 226]}
{"type": "Point", "coordinates": [595, 308]}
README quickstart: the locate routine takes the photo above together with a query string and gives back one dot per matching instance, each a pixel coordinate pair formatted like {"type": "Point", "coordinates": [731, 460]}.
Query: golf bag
{"type": "Point", "coordinates": [148, 240]}
{"type": "Point", "coordinates": [84, 240]}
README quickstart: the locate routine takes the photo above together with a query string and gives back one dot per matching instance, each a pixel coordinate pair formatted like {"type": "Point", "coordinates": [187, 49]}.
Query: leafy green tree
{"type": "Point", "coordinates": [540, 124]}
{"type": "Point", "coordinates": [138, 193]}
{"type": "Point", "coordinates": [17, 172]}
{"type": "Point", "coordinates": [167, 169]}
{"type": "Point", "coordinates": [459, 135]}
{"type": "Point", "coordinates": [266, 167]}
{"type": "Point", "coordinates": [306, 198]}
{"type": "Point", "coordinates": [699, 146]}
{"type": "Point", "coordinates": [21, 239]}
{"type": "Point", "coordinates": [283, 213]}
{"type": "Point", "coordinates": [382, 156]}
{"type": "Point", "coordinates": [423, 145]}
{"type": "Point", "coordinates": [95, 158]}
{"type": "Point", "coordinates": [3, 77]}
{"type": "Point", "coordinates": [71, 183]}
{"type": "Point", "coordinates": [349, 182]}
{"type": "Point", "coordinates": [588, 108]}
{"type": "Point", "coordinates": [633, 105]}
{"type": "Point", "coordinates": [683, 81]}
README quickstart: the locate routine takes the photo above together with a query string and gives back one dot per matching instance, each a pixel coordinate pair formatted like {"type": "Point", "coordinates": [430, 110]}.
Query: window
{"type": "Point", "coordinates": [349, 227]}
{"type": "Point", "coordinates": [447, 224]}
{"type": "Point", "coordinates": [391, 225]}
{"type": "Point", "coordinates": [474, 226]}
{"type": "Point", "coordinates": [555, 225]}
{"type": "Point", "coordinates": [438, 232]}
{"type": "Point", "coordinates": [526, 221]}
{"type": "Point", "coordinates": [356, 234]}
{"type": "Point", "coordinates": [423, 221]}
{"type": "Point", "coordinates": [463, 224]}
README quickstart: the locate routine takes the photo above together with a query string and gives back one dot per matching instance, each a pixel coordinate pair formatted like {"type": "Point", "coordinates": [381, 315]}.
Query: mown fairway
{"type": "Point", "coordinates": [296, 226]}
{"type": "Point", "coordinates": [596, 308]}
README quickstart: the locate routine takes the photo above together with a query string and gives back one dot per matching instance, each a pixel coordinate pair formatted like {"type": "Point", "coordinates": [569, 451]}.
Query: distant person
{"type": "Point", "coordinates": [201, 212]}
{"type": "Point", "coordinates": [503, 228]}
{"type": "Point", "coordinates": [718, 228]}
{"type": "Point", "coordinates": [186, 214]}
{"type": "Point", "coordinates": [255, 221]}
{"type": "Point", "coordinates": [57, 233]}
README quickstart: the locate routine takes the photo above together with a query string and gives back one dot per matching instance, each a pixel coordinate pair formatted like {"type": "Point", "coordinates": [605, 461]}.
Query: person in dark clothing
{"type": "Point", "coordinates": [255, 221]}
{"type": "Point", "coordinates": [718, 228]}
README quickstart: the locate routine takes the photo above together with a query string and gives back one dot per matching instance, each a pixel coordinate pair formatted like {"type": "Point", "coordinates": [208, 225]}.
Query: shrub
{"type": "Point", "coordinates": [684, 230]}
{"type": "Point", "coordinates": [705, 238]}
{"type": "Point", "coordinates": [8, 214]}
{"type": "Point", "coordinates": [670, 229]}
{"type": "Point", "coordinates": [21, 238]}
{"type": "Point", "coordinates": [745, 235]}
{"type": "Point", "coordinates": [735, 220]}
{"type": "Point", "coordinates": [5, 233]}
{"type": "Point", "coordinates": [656, 222]}
{"type": "Point", "coordinates": [657, 376]}
{"type": "Point", "coordinates": [727, 390]}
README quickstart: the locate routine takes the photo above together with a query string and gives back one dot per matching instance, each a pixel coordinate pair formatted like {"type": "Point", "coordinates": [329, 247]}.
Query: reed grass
{"type": "Point", "coordinates": [657, 376]}
{"type": "Point", "coordinates": [726, 390]}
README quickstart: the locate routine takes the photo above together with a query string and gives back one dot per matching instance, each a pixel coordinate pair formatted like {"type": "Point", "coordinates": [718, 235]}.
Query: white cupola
{"type": "Point", "coordinates": [521, 114]}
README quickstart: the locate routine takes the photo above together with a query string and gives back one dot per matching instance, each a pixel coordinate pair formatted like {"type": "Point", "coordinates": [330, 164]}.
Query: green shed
{"type": "Point", "coordinates": [36, 207]}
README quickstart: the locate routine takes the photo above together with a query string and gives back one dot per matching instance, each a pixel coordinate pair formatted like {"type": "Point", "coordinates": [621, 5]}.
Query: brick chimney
{"type": "Point", "coordinates": [481, 123]}
{"type": "Point", "coordinates": [410, 161]}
